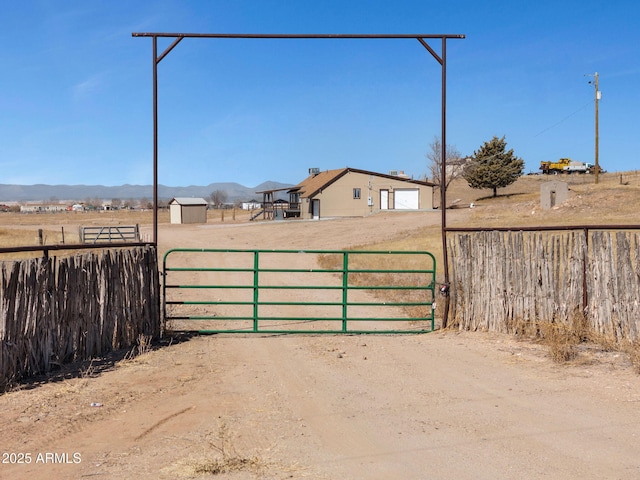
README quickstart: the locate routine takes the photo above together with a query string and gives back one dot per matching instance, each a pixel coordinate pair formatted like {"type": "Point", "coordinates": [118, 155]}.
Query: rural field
{"type": "Point", "coordinates": [443, 405]}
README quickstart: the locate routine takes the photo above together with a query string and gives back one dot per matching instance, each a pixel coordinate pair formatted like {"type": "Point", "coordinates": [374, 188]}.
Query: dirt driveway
{"type": "Point", "coordinates": [441, 405]}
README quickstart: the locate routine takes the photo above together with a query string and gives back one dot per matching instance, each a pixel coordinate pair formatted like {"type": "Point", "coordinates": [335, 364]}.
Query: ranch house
{"type": "Point", "coordinates": [350, 192]}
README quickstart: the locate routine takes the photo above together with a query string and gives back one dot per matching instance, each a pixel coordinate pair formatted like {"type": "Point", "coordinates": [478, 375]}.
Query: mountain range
{"type": "Point", "coordinates": [39, 193]}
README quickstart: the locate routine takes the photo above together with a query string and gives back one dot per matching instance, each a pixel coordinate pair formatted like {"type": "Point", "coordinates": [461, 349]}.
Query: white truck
{"type": "Point", "coordinates": [579, 167]}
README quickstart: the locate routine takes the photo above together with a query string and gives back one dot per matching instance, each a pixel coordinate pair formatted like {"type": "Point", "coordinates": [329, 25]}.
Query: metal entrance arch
{"type": "Point", "coordinates": [421, 37]}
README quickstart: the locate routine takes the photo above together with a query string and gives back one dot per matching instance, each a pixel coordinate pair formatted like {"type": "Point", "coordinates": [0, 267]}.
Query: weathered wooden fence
{"type": "Point", "coordinates": [60, 309]}
{"type": "Point", "coordinates": [504, 279]}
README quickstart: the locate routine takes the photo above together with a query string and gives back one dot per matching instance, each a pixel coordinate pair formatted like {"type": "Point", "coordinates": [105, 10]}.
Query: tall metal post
{"type": "Point", "coordinates": [443, 184]}
{"type": "Point", "coordinates": [442, 60]}
{"type": "Point", "coordinates": [155, 140]}
{"type": "Point", "coordinates": [156, 60]}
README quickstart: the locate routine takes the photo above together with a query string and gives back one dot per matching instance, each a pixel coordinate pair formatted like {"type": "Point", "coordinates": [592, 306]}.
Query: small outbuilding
{"type": "Point", "coordinates": [552, 194]}
{"type": "Point", "coordinates": [188, 210]}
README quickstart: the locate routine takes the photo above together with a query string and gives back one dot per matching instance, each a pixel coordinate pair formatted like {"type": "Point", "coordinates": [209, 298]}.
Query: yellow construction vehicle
{"type": "Point", "coordinates": [566, 165]}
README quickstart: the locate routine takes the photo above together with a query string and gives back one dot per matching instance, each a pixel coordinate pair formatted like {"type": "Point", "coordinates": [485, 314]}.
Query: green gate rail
{"type": "Point", "coordinates": [272, 291]}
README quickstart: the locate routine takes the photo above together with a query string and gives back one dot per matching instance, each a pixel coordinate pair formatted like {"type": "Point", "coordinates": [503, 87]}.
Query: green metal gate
{"type": "Point", "coordinates": [298, 291]}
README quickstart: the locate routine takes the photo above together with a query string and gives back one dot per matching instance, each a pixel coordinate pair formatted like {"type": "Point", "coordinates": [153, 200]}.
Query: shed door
{"type": "Point", "coordinates": [315, 209]}
{"type": "Point", "coordinates": [406, 199]}
{"type": "Point", "coordinates": [175, 211]}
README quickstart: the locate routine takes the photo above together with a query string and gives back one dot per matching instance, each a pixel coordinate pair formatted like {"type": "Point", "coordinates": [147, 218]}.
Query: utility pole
{"type": "Point", "coordinates": [598, 97]}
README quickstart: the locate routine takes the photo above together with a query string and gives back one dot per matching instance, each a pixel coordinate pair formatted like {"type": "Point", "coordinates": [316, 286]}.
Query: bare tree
{"type": "Point", "coordinates": [218, 197]}
{"type": "Point", "coordinates": [92, 203]}
{"type": "Point", "coordinates": [455, 163]}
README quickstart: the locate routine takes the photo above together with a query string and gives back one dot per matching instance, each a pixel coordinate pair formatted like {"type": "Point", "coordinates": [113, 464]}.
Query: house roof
{"type": "Point", "coordinates": [188, 201]}
{"type": "Point", "coordinates": [319, 181]}
{"type": "Point", "coordinates": [274, 190]}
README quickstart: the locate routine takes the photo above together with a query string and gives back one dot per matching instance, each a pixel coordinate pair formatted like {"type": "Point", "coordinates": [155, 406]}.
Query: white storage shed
{"type": "Point", "coordinates": [188, 210]}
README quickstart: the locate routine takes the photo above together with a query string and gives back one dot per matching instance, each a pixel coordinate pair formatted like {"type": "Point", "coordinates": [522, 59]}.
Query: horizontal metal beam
{"type": "Point", "coordinates": [293, 35]}
{"type": "Point", "coordinates": [81, 246]}
{"type": "Point", "coordinates": [545, 228]}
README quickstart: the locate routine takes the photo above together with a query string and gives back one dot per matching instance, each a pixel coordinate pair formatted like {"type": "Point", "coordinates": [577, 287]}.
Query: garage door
{"type": "Point", "coordinates": [407, 199]}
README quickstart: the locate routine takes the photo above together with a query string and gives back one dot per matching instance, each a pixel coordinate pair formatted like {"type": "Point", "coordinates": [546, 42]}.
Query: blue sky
{"type": "Point", "coordinates": [76, 98]}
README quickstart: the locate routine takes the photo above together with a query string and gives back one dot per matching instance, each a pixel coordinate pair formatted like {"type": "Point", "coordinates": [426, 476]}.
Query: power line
{"type": "Point", "coordinates": [563, 120]}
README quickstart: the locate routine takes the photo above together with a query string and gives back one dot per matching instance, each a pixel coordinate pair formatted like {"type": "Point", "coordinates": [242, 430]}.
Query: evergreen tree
{"type": "Point", "coordinates": [492, 166]}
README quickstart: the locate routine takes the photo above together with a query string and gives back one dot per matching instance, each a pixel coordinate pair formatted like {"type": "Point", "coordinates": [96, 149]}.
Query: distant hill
{"type": "Point", "coordinates": [34, 193]}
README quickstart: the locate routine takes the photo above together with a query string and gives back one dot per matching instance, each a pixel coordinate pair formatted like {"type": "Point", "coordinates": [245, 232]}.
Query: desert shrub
{"type": "Point", "coordinates": [633, 350]}
{"type": "Point", "coordinates": [561, 340]}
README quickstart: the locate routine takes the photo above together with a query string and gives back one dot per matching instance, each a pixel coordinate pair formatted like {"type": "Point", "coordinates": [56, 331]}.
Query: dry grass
{"type": "Point", "coordinates": [63, 228]}
{"type": "Point", "coordinates": [632, 349]}
{"type": "Point", "coordinates": [225, 459]}
{"type": "Point", "coordinates": [142, 346]}
{"type": "Point", "coordinates": [567, 342]}
{"type": "Point", "coordinates": [612, 200]}
{"type": "Point", "coordinates": [19, 237]}
{"type": "Point", "coordinates": [114, 217]}
{"type": "Point", "coordinates": [561, 341]}
{"type": "Point", "coordinates": [107, 218]}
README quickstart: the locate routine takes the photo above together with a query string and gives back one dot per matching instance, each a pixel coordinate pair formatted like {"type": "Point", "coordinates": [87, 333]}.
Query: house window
{"type": "Point", "coordinates": [356, 193]}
